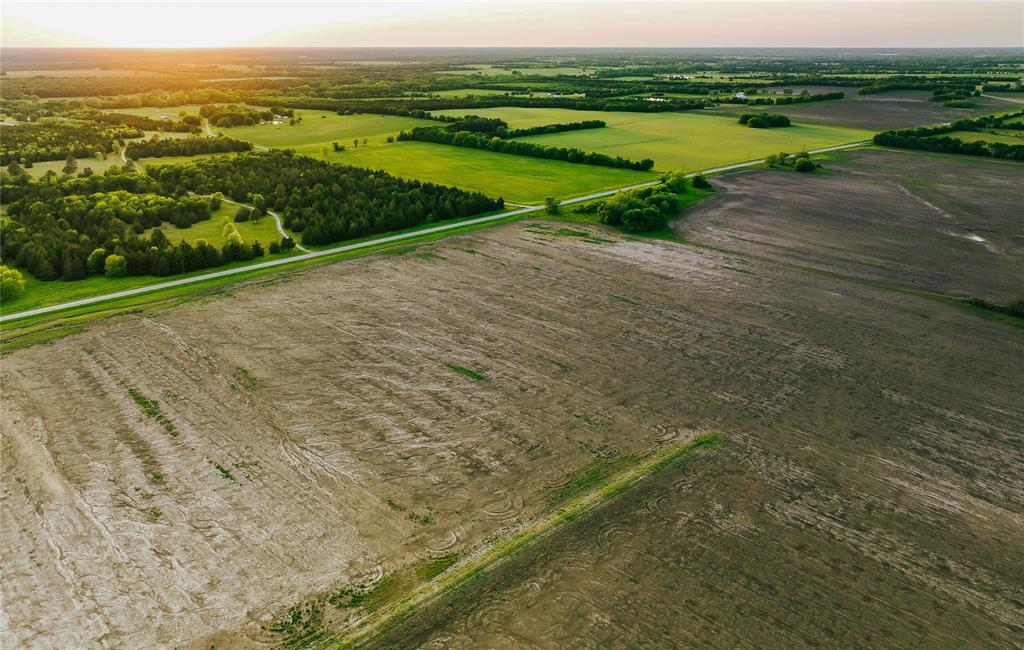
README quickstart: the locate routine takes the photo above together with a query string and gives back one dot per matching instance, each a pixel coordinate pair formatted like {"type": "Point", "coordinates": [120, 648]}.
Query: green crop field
{"type": "Point", "coordinates": [689, 140]}
{"type": "Point", "coordinates": [324, 127]}
{"type": "Point", "coordinates": [515, 178]}
{"type": "Point", "coordinates": [1005, 136]}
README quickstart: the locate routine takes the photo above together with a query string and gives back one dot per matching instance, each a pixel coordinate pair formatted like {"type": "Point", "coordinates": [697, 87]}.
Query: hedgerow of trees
{"type": "Point", "coordinates": [159, 148]}
{"type": "Point", "coordinates": [923, 138]}
{"type": "Point", "coordinates": [499, 145]}
{"type": "Point", "coordinates": [325, 202]}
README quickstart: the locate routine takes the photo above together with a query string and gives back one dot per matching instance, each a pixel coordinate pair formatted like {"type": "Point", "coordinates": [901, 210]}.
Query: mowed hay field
{"type": "Point", "coordinates": [519, 179]}
{"type": "Point", "coordinates": [320, 128]}
{"type": "Point", "coordinates": [222, 461]}
{"type": "Point", "coordinates": [689, 140]}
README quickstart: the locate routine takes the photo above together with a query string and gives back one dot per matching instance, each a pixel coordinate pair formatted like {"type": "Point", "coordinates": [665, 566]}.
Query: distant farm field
{"type": "Point", "coordinates": [514, 178]}
{"type": "Point", "coordinates": [878, 112]}
{"type": "Point", "coordinates": [688, 141]}
{"type": "Point", "coordinates": [156, 112]}
{"type": "Point", "coordinates": [324, 127]}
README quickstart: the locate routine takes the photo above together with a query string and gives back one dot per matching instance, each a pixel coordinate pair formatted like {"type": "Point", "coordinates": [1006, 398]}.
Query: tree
{"type": "Point", "coordinates": [700, 182]}
{"type": "Point", "coordinates": [804, 165]}
{"type": "Point", "coordinates": [70, 165]}
{"type": "Point", "coordinates": [12, 283]}
{"type": "Point", "coordinates": [355, 143]}
{"type": "Point", "coordinates": [115, 266]}
{"type": "Point", "coordinates": [94, 263]}
{"type": "Point", "coordinates": [364, 142]}
{"type": "Point", "coordinates": [259, 204]}
{"type": "Point", "coordinates": [242, 214]}
{"type": "Point", "coordinates": [552, 204]}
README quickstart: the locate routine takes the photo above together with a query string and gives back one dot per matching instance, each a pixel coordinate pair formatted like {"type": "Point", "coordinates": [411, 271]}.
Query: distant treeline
{"type": "Point", "coordinates": [785, 99]}
{"type": "Point", "coordinates": [499, 145]}
{"type": "Point", "coordinates": [159, 148]}
{"type": "Point", "coordinates": [923, 138]}
{"type": "Point", "coordinates": [327, 203]}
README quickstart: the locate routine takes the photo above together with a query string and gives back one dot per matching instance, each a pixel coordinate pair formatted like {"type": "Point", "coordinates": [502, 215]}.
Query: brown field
{"type": "Point", "coordinates": [322, 429]}
{"type": "Point", "coordinates": [936, 223]}
{"type": "Point", "coordinates": [890, 110]}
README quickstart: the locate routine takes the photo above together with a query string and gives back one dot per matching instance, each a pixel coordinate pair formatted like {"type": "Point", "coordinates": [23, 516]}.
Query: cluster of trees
{"type": "Point", "coordinates": [326, 202]}
{"type": "Point", "coordinates": [499, 145]}
{"type": "Point", "coordinates": [801, 161]}
{"type": "Point", "coordinates": [764, 120]}
{"type": "Point", "coordinates": [54, 238]}
{"type": "Point", "coordinates": [646, 209]}
{"type": "Point", "coordinates": [56, 139]}
{"type": "Point", "coordinates": [159, 148]}
{"type": "Point", "coordinates": [142, 122]}
{"type": "Point", "coordinates": [924, 138]}
{"type": "Point", "coordinates": [555, 128]}
{"type": "Point", "coordinates": [234, 115]}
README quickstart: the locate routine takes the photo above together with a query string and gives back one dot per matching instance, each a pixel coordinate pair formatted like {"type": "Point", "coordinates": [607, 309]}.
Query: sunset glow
{"type": "Point", "coordinates": [722, 23]}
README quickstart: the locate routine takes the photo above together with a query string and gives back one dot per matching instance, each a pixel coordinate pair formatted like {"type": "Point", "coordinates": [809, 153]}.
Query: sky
{"type": "Point", "coordinates": [515, 23]}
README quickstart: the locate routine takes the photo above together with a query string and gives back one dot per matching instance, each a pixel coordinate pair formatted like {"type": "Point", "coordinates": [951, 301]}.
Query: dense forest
{"type": "Point", "coordinates": [327, 203]}
{"type": "Point", "coordinates": [58, 138]}
{"type": "Point", "coordinates": [158, 148]}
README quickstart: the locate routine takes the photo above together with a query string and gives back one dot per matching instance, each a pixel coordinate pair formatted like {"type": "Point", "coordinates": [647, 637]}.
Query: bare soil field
{"type": "Point", "coordinates": [889, 110]}
{"type": "Point", "coordinates": [939, 223]}
{"type": "Point", "coordinates": [183, 478]}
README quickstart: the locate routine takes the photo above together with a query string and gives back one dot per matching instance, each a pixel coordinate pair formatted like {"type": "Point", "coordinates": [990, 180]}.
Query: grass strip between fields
{"type": "Point", "coordinates": [477, 565]}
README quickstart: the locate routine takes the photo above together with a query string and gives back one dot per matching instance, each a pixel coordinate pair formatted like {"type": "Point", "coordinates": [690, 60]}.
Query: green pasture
{"type": "Point", "coordinates": [691, 140]}
{"type": "Point", "coordinates": [212, 230]}
{"type": "Point", "coordinates": [515, 178]}
{"type": "Point", "coordinates": [323, 127]}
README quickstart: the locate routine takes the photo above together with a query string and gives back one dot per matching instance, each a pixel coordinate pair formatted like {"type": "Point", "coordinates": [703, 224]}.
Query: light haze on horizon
{"type": "Point", "coordinates": [517, 23]}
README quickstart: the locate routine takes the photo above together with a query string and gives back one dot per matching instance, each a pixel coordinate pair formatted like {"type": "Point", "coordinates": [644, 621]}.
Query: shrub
{"type": "Point", "coordinates": [700, 182]}
{"type": "Point", "coordinates": [552, 204]}
{"type": "Point", "coordinates": [115, 266]}
{"type": "Point", "coordinates": [96, 260]}
{"type": "Point", "coordinates": [12, 283]}
{"type": "Point", "coordinates": [804, 165]}
{"type": "Point", "coordinates": [242, 214]}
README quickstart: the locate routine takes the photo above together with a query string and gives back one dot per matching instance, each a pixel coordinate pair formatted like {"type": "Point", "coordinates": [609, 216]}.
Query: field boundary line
{"type": "Point", "coordinates": [487, 558]}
